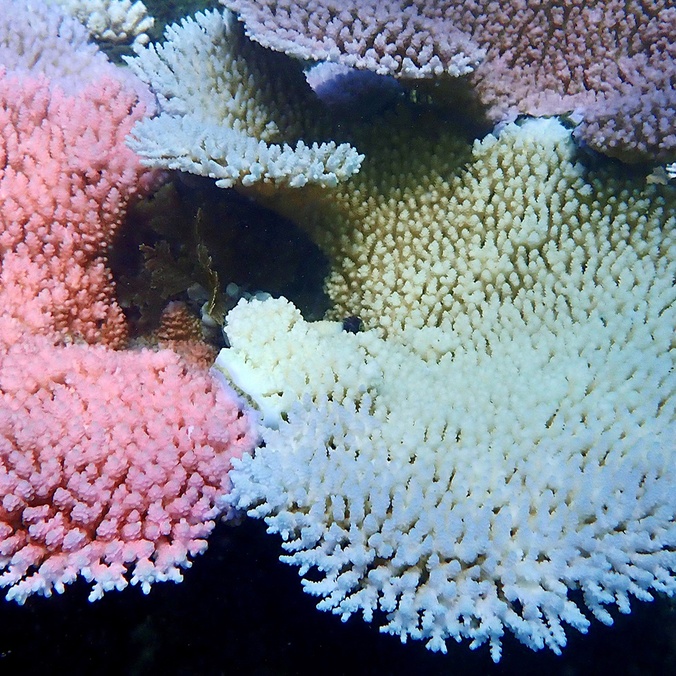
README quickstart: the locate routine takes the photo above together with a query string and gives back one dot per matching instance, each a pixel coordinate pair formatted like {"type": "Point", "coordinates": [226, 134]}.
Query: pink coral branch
{"type": "Point", "coordinates": [110, 462]}
{"type": "Point", "coordinates": [113, 464]}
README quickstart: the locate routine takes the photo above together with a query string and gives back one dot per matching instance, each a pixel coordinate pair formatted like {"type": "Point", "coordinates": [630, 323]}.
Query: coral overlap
{"type": "Point", "coordinates": [501, 436]}
{"type": "Point", "coordinates": [537, 58]}
{"type": "Point", "coordinates": [113, 464]}
{"type": "Point", "coordinates": [233, 111]}
{"type": "Point", "coordinates": [503, 433]}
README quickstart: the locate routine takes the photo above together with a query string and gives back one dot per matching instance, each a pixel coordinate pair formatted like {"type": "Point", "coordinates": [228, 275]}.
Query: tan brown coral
{"type": "Point", "coordinates": [181, 331]}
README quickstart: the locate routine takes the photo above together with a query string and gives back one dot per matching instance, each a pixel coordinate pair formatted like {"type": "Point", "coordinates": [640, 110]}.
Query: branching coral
{"type": "Point", "coordinates": [502, 433]}
{"type": "Point", "coordinates": [113, 463]}
{"type": "Point", "coordinates": [409, 40]}
{"type": "Point", "coordinates": [232, 111]}
{"type": "Point", "coordinates": [512, 437]}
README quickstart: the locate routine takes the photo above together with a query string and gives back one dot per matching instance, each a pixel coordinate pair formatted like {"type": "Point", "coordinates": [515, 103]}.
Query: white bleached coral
{"type": "Point", "coordinates": [275, 378]}
{"type": "Point", "coordinates": [466, 476]}
{"type": "Point", "coordinates": [115, 21]}
{"type": "Point", "coordinates": [232, 111]}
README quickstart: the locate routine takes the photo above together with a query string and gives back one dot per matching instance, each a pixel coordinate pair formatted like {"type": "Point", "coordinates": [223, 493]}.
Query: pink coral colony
{"type": "Point", "coordinates": [113, 463]}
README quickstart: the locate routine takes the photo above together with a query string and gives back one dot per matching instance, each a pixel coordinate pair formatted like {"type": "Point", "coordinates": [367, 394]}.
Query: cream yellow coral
{"type": "Point", "coordinates": [232, 111]}
{"type": "Point", "coordinates": [486, 449]}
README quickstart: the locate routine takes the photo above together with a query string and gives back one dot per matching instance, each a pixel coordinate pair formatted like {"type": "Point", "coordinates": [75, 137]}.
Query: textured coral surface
{"type": "Point", "coordinates": [113, 464]}
{"type": "Point", "coordinates": [510, 440]}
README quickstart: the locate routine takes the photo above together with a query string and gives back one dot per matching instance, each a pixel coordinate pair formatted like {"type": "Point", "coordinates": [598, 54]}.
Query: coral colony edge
{"type": "Point", "coordinates": [468, 431]}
